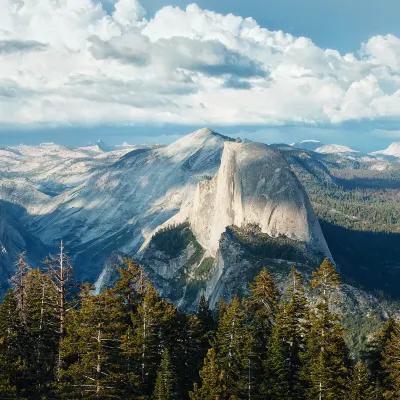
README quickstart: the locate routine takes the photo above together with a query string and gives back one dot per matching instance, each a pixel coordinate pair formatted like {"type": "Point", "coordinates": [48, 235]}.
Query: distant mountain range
{"type": "Point", "coordinates": [389, 154]}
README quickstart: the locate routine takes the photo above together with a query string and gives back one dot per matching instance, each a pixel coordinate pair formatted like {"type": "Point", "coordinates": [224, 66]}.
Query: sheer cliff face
{"type": "Point", "coordinates": [254, 185]}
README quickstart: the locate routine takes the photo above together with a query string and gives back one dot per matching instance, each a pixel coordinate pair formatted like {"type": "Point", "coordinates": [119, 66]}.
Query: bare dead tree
{"type": "Point", "coordinates": [18, 282]}
{"type": "Point", "coordinates": [60, 270]}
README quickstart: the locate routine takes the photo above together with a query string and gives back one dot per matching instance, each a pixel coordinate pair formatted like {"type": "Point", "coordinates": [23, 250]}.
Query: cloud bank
{"type": "Point", "coordinates": [71, 62]}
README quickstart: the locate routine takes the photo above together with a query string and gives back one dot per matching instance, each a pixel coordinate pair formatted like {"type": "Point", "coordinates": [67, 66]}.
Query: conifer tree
{"type": "Point", "coordinates": [286, 343]}
{"type": "Point", "coordinates": [261, 309]}
{"type": "Point", "coordinates": [232, 349]}
{"type": "Point", "coordinates": [60, 271]}
{"type": "Point", "coordinates": [359, 386]}
{"type": "Point", "coordinates": [325, 356]}
{"type": "Point", "coordinates": [93, 348]}
{"type": "Point", "coordinates": [148, 337]}
{"type": "Point", "coordinates": [165, 387]}
{"type": "Point", "coordinates": [131, 284]}
{"type": "Point", "coordinates": [11, 336]}
{"type": "Point", "coordinates": [391, 365]}
{"type": "Point", "coordinates": [212, 384]}
{"type": "Point", "coordinates": [202, 328]}
{"type": "Point", "coordinates": [373, 356]}
{"type": "Point", "coordinates": [18, 282]}
{"type": "Point", "coordinates": [42, 336]}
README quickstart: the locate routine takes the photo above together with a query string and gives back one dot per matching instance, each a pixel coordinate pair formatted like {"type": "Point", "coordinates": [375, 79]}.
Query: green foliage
{"type": "Point", "coordinates": [129, 343]}
{"type": "Point", "coordinates": [166, 381]}
{"type": "Point", "coordinates": [391, 364]}
{"type": "Point", "coordinates": [172, 239]}
{"type": "Point", "coordinates": [262, 246]}
{"type": "Point", "coordinates": [360, 383]}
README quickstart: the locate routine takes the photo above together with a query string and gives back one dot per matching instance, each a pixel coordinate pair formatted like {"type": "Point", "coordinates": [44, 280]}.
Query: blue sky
{"type": "Point", "coordinates": [151, 71]}
{"type": "Point", "coordinates": [336, 24]}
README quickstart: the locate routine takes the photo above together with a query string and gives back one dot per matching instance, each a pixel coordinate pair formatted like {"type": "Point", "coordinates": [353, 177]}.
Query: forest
{"type": "Point", "coordinates": [60, 340]}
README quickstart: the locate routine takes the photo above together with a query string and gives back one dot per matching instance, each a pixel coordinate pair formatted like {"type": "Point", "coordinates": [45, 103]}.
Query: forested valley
{"type": "Point", "coordinates": [61, 340]}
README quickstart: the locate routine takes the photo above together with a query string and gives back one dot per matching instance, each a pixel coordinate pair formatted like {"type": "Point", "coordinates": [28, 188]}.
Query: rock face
{"type": "Point", "coordinates": [254, 190]}
{"type": "Point", "coordinates": [254, 185]}
{"type": "Point", "coordinates": [120, 205]}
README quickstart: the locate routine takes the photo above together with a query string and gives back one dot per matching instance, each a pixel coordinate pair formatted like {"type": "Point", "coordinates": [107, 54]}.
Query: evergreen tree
{"type": "Point", "coordinates": [92, 348]}
{"type": "Point", "coordinates": [148, 336]}
{"type": "Point", "coordinates": [325, 356]}
{"type": "Point", "coordinates": [60, 271]}
{"type": "Point", "coordinates": [202, 328]}
{"type": "Point", "coordinates": [373, 356]}
{"type": "Point", "coordinates": [41, 334]}
{"type": "Point", "coordinates": [391, 365]}
{"type": "Point", "coordinates": [18, 282]}
{"type": "Point", "coordinates": [212, 380]}
{"type": "Point", "coordinates": [232, 349]}
{"type": "Point", "coordinates": [263, 302]}
{"type": "Point", "coordinates": [360, 387]}
{"type": "Point", "coordinates": [165, 387]}
{"type": "Point", "coordinates": [286, 343]}
{"type": "Point", "coordinates": [11, 335]}
{"type": "Point", "coordinates": [261, 309]}
{"type": "Point", "coordinates": [131, 284]}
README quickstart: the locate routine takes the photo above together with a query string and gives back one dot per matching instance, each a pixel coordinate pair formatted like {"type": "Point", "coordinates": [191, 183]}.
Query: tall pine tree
{"type": "Point", "coordinates": [165, 387]}
{"type": "Point", "coordinates": [325, 357]}
{"type": "Point", "coordinates": [360, 384]}
{"type": "Point", "coordinates": [391, 365]}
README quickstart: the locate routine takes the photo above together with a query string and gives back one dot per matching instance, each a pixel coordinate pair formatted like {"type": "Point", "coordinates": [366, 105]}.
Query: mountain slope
{"type": "Point", "coordinates": [121, 204]}
{"type": "Point", "coordinates": [392, 151]}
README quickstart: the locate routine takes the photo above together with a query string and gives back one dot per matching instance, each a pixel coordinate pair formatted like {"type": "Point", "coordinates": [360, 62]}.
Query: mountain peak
{"type": "Point", "coordinates": [392, 150]}
{"type": "Point", "coordinates": [335, 148]}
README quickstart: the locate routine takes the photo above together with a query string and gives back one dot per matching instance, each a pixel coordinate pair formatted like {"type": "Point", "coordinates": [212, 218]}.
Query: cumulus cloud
{"type": "Point", "coordinates": [71, 61]}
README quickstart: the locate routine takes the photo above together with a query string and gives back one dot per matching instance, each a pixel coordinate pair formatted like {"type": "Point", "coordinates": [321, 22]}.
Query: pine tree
{"type": "Point", "coordinates": [325, 356]}
{"type": "Point", "coordinates": [360, 387]}
{"type": "Point", "coordinates": [232, 349]}
{"type": "Point", "coordinates": [131, 284]}
{"type": "Point", "coordinates": [373, 356]}
{"type": "Point", "coordinates": [61, 275]}
{"type": "Point", "coordinates": [18, 282]}
{"type": "Point", "coordinates": [11, 336]}
{"type": "Point", "coordinates": [325, 279]}
{"type": "Point", "coordinates": [261, 310]}
{"type": "Point", "coordinates": [165, 387]}
{"type": "Point", "coordinates": [264, 296]}
{"type": "Point", "coordinates": [148, 336]}
{"type": "Point", "coordinates": [286, 343]}
{"type": "Point", "coordinates": [41, 334]}
{"type": "Point", "coordinates": [202, 328]}
{"type": "Point", "coordinates": [391, 365]}
{"type": "Point", "coordinates": [212, 380]}
{"type": "Point", "coordinates": [92, 347]}
{"type": "Point", "coordinates": [277, 378]}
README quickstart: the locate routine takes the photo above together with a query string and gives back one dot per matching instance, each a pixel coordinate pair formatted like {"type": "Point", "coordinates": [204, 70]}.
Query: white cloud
{"type": "Point", "coordinates": [69, 61]}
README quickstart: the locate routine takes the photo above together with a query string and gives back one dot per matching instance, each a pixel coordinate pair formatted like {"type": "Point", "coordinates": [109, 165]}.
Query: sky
{"type": "Point", "coordinates": [73, 71]}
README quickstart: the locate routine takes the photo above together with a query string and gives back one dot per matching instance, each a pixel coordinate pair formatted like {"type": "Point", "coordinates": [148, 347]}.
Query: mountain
{"type": "Point", "coordinates": [250, 213]}
{"type": "Point", "coordinates": [393, 151]}
{"type": "Point", "coordinates": [204, 184]}
{"type": "Point", "coordinates": [120, 204]}
{"type": "Point", "coordinates": [202, 215]}
{"type": "Point", "coordinates": [335, 149]}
